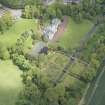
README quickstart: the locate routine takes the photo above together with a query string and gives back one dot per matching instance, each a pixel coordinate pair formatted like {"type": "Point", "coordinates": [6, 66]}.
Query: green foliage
{"type": "Point", "coordinates": [31, 11]}
{"type": "Point", "coordinates": [29, 95]}
{"type": "Point", "coordinates": [6, 21]}
{"type": "Point", "coordinates": [20, 61]}
{"type": "Point", "coordinates": [39, 73]}
{"type": "Point", "coordinates": [27, 12]}
{"type": "Point", "coordinates": [10, 82]}
{"type": "Point", "coordinates": [19, 3]}
{"type": "Point", "coordinates": [1, 6]}
{"type": "Point", "coordinates": [4, 54]}
{"type": "Point", "coordinates": [89, 74]}
{"type": "Point", "coordinates": [74, 33]}
{"type": "Point", "coordinates": [94, 53]}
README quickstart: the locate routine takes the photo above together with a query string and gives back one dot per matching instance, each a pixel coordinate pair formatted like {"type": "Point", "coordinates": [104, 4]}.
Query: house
{"type": "Point", "coordinates": [50, 30]}
{"type": "Point", "coordinates": [71, 1]}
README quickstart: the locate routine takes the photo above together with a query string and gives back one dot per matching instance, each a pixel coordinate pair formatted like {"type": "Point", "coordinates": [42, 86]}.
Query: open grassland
{"type": "Point", "coordinates": [74, 33]}
{"type": "Point", "coordinates": [96, 91]}
{"type": "Point", "coordinates": [52, 64]}
{"type": "Point", "coordinates": [10, 36]}
{"type": "Point", "coordinates": [78, 68]}
{"type": "Point", "coordinates": [10, 83]}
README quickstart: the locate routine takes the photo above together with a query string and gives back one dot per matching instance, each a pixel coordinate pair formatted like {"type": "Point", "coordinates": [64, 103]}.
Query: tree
{"type": "Point", "coordinates": [2, 25]}
{"type": "Point", "coordinates": [30, 95]}
{"type": "Point", "coordinates": [35, 11]}
{"type": "Point", "coordinates": [59, 13]}
{"type": "Point", "coordinates": [94, 61]}
{"type": "Point", "coordinates": [27, 12]}
{"type": "Point", "coordinates": [20, 61]}
{"type": "Point", "coordinates": [4, 54]}
{"type": "Point", "coordinates": [51, 95]}
{"type": "Point", "coordinates": [6, 21]}
{"type": "Point", "coordinates": [51, 12]}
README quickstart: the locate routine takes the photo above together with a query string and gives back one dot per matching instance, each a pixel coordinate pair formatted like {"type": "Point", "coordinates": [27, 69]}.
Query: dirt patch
{"type": "Point", "coordinates": [61, 29]}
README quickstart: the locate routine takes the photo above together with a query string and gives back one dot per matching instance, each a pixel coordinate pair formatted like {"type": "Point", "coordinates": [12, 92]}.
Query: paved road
{"type": "Point", "coordinates": [97, 95]}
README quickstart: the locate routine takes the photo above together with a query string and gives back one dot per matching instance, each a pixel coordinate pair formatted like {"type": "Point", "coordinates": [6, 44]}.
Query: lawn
{"type": "Point", "coordinates": [10, 83]}
{"type": "Point", "coordinates": [10, 36]}
{"type": "Point", "coordinates": [74, 33]}
{"type": "Point", "coordinates": [97, 97]}
{"type": "Point", "coordinates": [52, 64]}
{"type": "Point", "coordinates": [78, 68]}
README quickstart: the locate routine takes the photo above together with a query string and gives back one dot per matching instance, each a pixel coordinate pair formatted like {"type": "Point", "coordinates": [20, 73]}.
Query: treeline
{"type": "Point", "coordinates": [94, 50]}
{"type": "Point", "coordinates": [19, 3]}
{"type": "Point", "coordinates": [84, 10]}
{"type": "Point", "coordinates": [6, 21]}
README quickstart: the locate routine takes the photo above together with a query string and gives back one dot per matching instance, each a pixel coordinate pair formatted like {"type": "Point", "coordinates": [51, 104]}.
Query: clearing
{"type": "Point", "coordinates": [96, 92]}
{"type": "Point", "coordinates": [10, 36]}
{"type": "Point", "coordinates": [74, 33]}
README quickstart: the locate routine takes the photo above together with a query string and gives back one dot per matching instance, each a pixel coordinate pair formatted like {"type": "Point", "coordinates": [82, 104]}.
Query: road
{"type": "Point", "coordinates": [96, 93]}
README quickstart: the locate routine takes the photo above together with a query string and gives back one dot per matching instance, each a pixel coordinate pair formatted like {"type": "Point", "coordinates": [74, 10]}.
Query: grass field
{"type": "Point", "coordinates": [10, 83]}
{"type": "Point", "coordinates": [78, 68]}
{"type": "Point", "coordinates": [98, 98]}
{"type": "Point", "coordinates": [10, 36]}
{"type": "Point", "coordinates": [74, 33]}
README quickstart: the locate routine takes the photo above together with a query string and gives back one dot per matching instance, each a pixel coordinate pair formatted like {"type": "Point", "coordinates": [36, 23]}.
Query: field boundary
{"type": "Point", "coordinates": [83, 97]}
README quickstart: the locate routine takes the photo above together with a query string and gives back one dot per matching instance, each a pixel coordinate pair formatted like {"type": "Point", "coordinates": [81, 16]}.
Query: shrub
{"type": "Point", "coordinates": [21, 62]}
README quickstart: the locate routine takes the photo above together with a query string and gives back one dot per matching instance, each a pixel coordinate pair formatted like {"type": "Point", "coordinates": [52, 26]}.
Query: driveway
{"type": "Point", "coordinates": [16, 13]}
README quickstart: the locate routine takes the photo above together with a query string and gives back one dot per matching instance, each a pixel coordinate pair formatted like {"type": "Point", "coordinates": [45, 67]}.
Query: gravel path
{"type": "Point", "coordinates": [16, 13]}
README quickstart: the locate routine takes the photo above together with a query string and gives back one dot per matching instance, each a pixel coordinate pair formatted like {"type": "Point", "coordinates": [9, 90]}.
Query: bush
{"type": "Point", "coordinates": [4, 54]}
{"type": "Point", "coordinates": [6, 21]}
{"type": "Point", "coordinates": [21, 62]}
